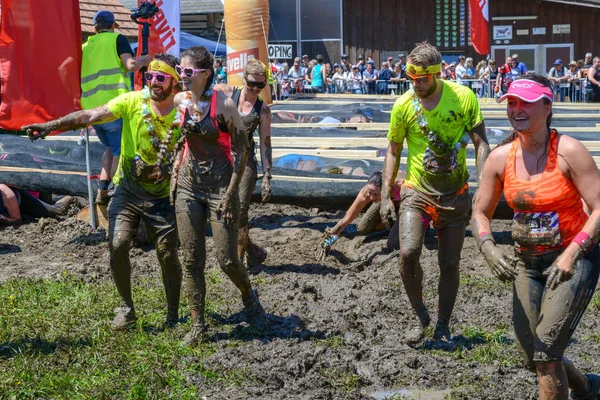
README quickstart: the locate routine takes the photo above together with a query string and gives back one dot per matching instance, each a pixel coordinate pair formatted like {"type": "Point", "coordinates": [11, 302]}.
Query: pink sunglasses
{"type": "Point", "coordinates": [189, 72]}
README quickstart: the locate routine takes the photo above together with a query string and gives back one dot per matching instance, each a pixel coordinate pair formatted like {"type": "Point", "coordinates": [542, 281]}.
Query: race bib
{"type": "Point", "coordinates": [444, 164]}
{"type": "Point", "coordinates": [536, 229]}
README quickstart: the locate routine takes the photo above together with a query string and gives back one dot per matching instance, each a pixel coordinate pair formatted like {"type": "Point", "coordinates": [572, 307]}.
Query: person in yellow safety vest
{"type": "Point", "coordinates": [106, 63]}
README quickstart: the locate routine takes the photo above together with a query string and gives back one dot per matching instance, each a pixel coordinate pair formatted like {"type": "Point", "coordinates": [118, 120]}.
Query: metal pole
{"type": "Point", "coordinates": [89, 180]}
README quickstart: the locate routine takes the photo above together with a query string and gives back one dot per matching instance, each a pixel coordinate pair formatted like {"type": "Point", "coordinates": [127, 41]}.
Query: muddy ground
{"type": "Point", "coordinates": [336, 326]}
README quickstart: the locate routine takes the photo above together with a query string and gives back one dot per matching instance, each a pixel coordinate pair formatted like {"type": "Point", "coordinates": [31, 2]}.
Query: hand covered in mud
{"type": "Point", "coordinates": [328, 239]}
{"type": "Point", "coordinates": [387, 211]}
{"type": "Point", "coordinates": [42, 130]}
{"type": "Point", "coordinates": [502, 266]}
{"type": "Point", "coordinates": [560, 271]}
{"type": "Point", "coordinates": [265, 188]}
{"type": "Point", "coordinates": [226, 208]}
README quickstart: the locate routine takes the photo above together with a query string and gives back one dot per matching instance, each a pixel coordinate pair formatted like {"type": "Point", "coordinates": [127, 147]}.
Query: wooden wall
{"type": "Point", "coordinates": [375, 26]}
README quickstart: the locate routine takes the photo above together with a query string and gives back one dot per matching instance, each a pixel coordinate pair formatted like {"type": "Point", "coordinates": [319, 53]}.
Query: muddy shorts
{"type": "Point", "coordinates": [545, 319]}
{"type": "Point", "coordinates": [444, 211]}
{"type": "Point", "coordinates": [126, 210]}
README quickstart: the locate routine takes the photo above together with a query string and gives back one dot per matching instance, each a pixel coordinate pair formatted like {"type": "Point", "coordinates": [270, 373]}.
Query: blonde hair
{"type": "Point", "coordinates": [255, 67]}
{"type": "Point", "coordinates": [425, 55]}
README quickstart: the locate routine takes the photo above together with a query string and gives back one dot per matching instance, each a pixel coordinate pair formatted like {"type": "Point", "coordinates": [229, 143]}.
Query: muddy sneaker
{"type": "Point", "coordinates": [442, 333]}
{"type": "Point", "coordinates": [124, 319]}
{"type": "Point", "coordinates": [255, 314]}
{"type": "Point", "coordinates": [171, 322]}
{"type": "Point", "coordinates": [415, 333]}
{"type": "Point", "coordinates": [196, 335]}
{"type": "Point", "coordinates": [102, 197]}
{"type": "Point", "coordinates": [594, 392]}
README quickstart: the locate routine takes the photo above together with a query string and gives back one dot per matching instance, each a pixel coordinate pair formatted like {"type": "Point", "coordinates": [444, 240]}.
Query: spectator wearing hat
{"type": "Point", "coordinates": [574, 78]}
{"type": "Point", "coordinates": [361, 63]}
{"type": "Point", "coordinates": [106, 62]}
{"type": "Point", "coordinates": [345, 64]}
{"type": "Point", "coordinates": [521, 67]}
{"type": "Point", "coordinates": [355, 79]}
{"type": "Point", "coordinates": [558, 76]}
{"type": "Point", "coordinates": [470, 67]}
{"type": "Point", "coordinates": [285, 87]}
{"type": "Point", "coordinates": [370, 76]}
{"type": "Point", "coordinates": [305, 61]}
{"type": "Point", "coordinates": [402, 61]}
{"type": "Point", "coordinates": [385, 74]}
{"type": "Point", "coordinates": [339, 78]}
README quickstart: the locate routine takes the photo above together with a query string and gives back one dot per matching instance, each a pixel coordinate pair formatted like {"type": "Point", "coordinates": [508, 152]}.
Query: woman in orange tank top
{"type": "Point", "coordinates": [544, 177]}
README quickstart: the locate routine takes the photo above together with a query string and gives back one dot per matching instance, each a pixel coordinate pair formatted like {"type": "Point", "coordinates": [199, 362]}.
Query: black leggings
{"type": "Point", "coordinates": [34, 207]}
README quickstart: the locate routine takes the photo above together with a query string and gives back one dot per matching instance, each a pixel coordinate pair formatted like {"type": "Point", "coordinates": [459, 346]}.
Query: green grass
{"type": "Point", "coordinates": [341, 380]}
{"type": "Point", "coordinates": [482, 282]}
{"type": "Point", "coordinates": [595, 302]}
{"type": "Point", "coordinates": [485, 347]}
{"type": "Point", "coordinates": [55, 342]}
{"type": "Point", "coordinates": [334, 342]}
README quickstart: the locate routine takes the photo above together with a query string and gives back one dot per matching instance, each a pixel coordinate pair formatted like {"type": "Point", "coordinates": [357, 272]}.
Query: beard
{"type": "Point", "coordinates": [163, 94]}
{"type": "Point", "coordinates": [429, 92]}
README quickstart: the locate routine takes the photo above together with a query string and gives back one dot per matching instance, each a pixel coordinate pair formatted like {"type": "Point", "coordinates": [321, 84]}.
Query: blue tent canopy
{"type": "Point", "coordinates": [189, 40]}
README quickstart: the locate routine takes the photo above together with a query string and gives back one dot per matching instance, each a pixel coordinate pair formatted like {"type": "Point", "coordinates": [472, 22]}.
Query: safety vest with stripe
{"type": "Point", "coordinates": [103, 76]}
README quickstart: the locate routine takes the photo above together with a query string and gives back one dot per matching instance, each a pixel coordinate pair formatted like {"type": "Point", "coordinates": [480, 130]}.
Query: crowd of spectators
{"type": "Point", "coordinates": [579, 80]}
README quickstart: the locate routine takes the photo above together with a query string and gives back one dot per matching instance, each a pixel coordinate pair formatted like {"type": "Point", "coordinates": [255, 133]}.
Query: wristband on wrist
{"type": "Point", "coordinates": [484, 237]}
{"type": "Point", "coordinates": [584, 241]}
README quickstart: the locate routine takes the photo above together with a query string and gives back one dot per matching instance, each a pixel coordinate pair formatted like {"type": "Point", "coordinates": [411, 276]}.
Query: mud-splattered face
{"type": "Point", "coordinates": [197, 82]}
{"type": "Point", "coordinates": [527, 117]}
{"type": "Point", "coordinates": [374, 193]}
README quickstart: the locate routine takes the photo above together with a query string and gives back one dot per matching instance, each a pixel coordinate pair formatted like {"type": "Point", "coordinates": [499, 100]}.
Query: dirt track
{"type": "Point", "coordinates": [337, 326]}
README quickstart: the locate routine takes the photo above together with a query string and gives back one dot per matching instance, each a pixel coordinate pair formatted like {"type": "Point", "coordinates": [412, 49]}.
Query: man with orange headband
{"type": "Point", "coordinates": [151, 136]}
{"type": "Point", "coordinates": [436, 118]}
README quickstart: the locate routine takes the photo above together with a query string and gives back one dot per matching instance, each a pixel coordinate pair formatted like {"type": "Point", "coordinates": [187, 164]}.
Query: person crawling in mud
{"type": "Point", "coordinates": [151, 136]}
{"type": "Point", "coordinates": [359, 115]}
{"type": "Point", "coordinates": [17, 202]}
{"type": "Point", "coordinates": [206, 186]}
{"type": "Point", "coordinates": [436, 118]}
{"type": "Point", "coordinates": [255, 115]}
{"type": "Point", "coordinates": [371, 221]}
{"type": "Point", "coordinates": [302, 162]}
{"type": "Point", "coordinates": [544, 176]}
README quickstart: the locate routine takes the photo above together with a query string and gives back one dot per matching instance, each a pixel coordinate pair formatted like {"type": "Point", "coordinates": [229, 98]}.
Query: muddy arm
{"type": "Point", "coordinates": [73, 121]}
{"type": "Point", "coordinates": [239, 140]}
{"type": "Point", "coordinates": [482, 148]}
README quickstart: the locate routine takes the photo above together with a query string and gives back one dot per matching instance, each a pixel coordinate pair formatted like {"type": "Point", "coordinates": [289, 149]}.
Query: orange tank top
{"type": "Point", "coordinates": [548, 211]}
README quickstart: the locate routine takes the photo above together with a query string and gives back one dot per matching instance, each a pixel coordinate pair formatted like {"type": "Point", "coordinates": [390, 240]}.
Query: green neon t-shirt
{"type": "Point", "coordinates": [436, 164]}
{"type": "Point", "coordinates": [138, 154]}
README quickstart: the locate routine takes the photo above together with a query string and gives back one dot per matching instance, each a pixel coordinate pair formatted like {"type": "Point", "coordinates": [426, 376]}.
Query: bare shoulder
{"type": "Point", "coordinates": [224, 88]}
{"type": "Point", "coordinates": [497, 157]}
{"type": "Point", "coordinates": [570, 147]}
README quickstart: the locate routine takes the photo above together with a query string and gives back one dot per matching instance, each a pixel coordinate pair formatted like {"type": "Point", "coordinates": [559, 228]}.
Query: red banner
{"type": "Point", "coordinates": [40, 61]}
{"type": "Point", "coordinates": [164, 32]}
{"type": "Point", "coordinates": [480, 30]}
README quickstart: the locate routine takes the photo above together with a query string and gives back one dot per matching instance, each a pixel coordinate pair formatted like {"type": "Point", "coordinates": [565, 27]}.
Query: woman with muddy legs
{"type": "Point", "coordinates": [206, 184]}
{"type": "Point", "coordinates": [254, 115]}
{"type": "Point", "coordinates": [544, 176]}
{"type": "Point", "coordinates": [371, 221]}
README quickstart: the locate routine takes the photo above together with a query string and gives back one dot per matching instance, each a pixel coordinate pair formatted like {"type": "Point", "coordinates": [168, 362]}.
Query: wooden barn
{"type": "Point", "coordinates": [540, 31]}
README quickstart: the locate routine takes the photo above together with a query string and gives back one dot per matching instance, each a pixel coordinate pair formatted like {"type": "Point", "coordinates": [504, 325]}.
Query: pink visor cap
{"type": "Point", "coordinates": [528, 90]}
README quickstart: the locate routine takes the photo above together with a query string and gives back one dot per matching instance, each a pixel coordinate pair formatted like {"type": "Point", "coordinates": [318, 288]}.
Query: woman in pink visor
{"type": "Point", "coordinates": [544, 177]}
